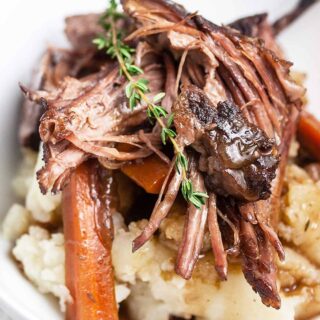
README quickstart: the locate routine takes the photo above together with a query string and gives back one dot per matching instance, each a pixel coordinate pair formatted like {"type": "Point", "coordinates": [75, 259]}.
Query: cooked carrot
{"type": "Point", "coordinates": [309, 134]}
{"type": "Point", "coordinates": [89, 274]}
{"type": "Point", "coordinates": [148, 174]}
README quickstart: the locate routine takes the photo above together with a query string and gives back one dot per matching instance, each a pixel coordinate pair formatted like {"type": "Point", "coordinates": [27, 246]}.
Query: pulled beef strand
{"type": "Point", "coordinates": [198, 113]}
{"type": "Point", "coordinates": [220, 256]}
{"type": "Point", "coordinates": [258, 264]}
{"type": "Point", "coordinates": [261, 273]}
{"type": "Point", "coordinates": [257, 26]}
{"type": "Point", "coordinates": [53, 67]}
{"type": "Point", "coordinates": [229, 224]}
{"type": "Point", "coordinates": [180, 36]}
{"type": "Point", "coordinates": [193, 233]}
{"type": "Point", "coordinates": [170, 83]}
{"type": "Point", "coordinates": [250, 75]}
{"type": "Point", "coordinates": [161, 209]}
{"type": "Point", "coordinates": [60, 159]}
{"type": "Point", "coordinates": [194, 111]}
{"type": "Point", "coordinates": [84, 112]}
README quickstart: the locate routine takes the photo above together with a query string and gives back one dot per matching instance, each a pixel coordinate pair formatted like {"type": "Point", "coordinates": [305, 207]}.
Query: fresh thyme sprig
{"type": "Point", "coordinates": [136, 92]}
{"type": "Point", "coordinates": [195, 197]}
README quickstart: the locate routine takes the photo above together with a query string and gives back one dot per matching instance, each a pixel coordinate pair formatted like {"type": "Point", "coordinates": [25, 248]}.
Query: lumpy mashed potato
{"type": "Point", "coordinates": [146, 280]}
{"type": "Point", "coordinates": [157, 292]}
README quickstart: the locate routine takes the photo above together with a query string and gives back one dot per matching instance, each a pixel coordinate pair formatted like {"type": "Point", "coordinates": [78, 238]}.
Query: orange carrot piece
{"type": "Point", "coordinates": [309, 134]}
{"type": "Point", "coordinates": [89, 273]}
{"type": "Point", "coordinates": [148, 174]}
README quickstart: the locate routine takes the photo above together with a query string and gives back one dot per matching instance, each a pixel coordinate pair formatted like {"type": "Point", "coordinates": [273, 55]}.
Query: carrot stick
{"type": "Point", "coordinates": [89, 274]}
{"type": "Point", "coordinates": [148, 174]}
{"type": "Point", "coordinates": [309, 134]}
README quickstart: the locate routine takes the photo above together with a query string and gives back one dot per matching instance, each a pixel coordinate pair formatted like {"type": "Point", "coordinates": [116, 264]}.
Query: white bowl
{"type": "Point", "coordinates": [27, 27]}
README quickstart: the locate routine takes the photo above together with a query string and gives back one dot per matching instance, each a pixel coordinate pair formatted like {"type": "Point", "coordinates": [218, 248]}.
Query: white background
{"type": "Point", "coordinates": [28, 26]}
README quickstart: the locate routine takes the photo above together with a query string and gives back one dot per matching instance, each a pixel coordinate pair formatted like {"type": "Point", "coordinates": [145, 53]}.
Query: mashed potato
{"type": "Point", "coordinates": [42, 208]}
{"type": "Point", "coordinates": [22, 182]}
{"type": "Point", "coordinates": [146, 280]}
{"type": "Point", "coordinates": [300, 221]}
{"type": "Point", "coordinates": [298, 276]}
{"type": "Point", "coordinates": [42, 257]}
{"type": "Point", "coordinates": [156, 291]}
{"type": "Point", "coordinates": [16, 222]}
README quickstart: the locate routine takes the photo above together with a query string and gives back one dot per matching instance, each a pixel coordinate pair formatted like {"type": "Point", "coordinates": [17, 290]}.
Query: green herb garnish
{"type": "Point", "coordinates": [136, 91]}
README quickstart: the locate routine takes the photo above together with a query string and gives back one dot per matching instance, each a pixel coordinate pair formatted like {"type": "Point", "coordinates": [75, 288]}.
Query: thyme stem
{"type": "Point", "coordinates": [136, 92]}
{"type": "Point", "coordinates": [142, 94]}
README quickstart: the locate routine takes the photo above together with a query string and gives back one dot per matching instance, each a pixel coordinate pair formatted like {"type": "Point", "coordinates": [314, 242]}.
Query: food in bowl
{"type": "Point", "coordinates": [170, 170]}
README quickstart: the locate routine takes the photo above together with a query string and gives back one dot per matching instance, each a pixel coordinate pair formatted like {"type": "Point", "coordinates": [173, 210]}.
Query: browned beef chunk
{"type": "Point", "coordinates": [237, 157]}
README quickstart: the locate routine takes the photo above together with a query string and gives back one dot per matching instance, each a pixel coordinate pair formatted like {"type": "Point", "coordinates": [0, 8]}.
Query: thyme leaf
{"type": "Point", "coordinates": [136, 92]}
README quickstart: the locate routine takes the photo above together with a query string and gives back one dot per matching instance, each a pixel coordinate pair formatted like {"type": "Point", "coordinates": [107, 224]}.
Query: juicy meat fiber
{"type": "Point", "coordinates": [238, 158]}
{"type": "Point", "coordinates": [89, 117]}
{"type": "Point", "coordinates": [252, 76]}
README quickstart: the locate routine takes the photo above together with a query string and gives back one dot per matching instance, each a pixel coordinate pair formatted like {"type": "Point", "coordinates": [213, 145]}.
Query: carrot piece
{"type": "Point", "coordinates": [89, 273]}
{"type": "Point", "coordinates": [309, 134]}
{"type": "Point", "coordinates": [148, 174]}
